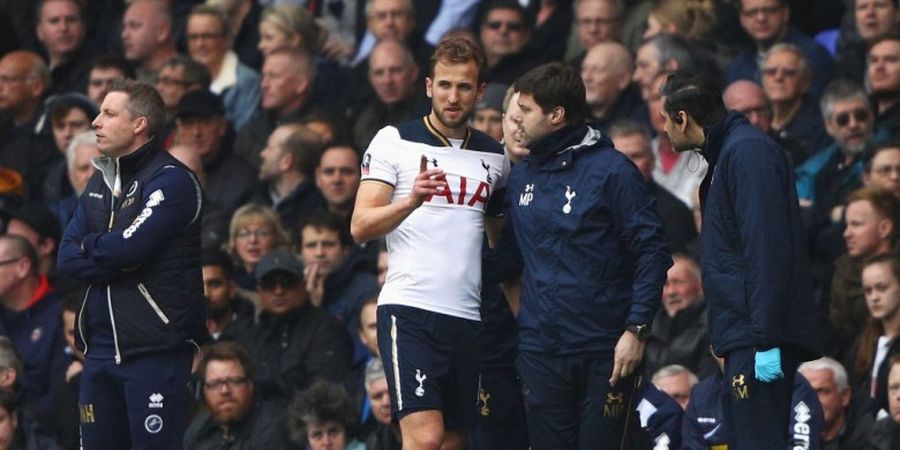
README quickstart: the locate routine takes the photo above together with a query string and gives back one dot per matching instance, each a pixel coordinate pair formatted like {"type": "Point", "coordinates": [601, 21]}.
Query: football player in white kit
{"type": "Point", "coordinates": [426, 186]}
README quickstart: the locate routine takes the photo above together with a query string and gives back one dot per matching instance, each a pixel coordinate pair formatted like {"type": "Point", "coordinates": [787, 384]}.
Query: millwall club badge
{"type": "Point", "coordinates": [132, 189]}
{"type": "Point", "coordinates": [36, 334]}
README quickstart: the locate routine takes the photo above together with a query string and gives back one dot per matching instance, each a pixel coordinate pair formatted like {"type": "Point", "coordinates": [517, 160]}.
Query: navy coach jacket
{"type": "Point", "coordinates": [584, 225]}
{"type": "Point", "coordinates": [755, 269]}
{"type": "Point", "coordinates": [135, 239]}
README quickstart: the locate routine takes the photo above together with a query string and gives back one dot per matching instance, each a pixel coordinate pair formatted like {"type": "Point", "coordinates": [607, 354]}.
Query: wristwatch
{"type": "Point", "coordinates": [641, 331]}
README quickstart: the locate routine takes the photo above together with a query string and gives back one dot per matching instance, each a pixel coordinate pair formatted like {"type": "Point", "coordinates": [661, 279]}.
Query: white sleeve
{"type": "Point", "coordinates": [379, 162]}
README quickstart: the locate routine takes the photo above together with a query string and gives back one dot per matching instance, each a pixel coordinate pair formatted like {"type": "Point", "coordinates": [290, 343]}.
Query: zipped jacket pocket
{"type": "Point", "coordinates": [159, 312]}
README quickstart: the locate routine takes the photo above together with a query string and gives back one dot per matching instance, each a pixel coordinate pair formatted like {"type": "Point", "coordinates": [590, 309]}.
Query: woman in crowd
{"type": "Point", "coordinates": [255, 230]}
{"type": "Point", "coordinates": [878, 341]}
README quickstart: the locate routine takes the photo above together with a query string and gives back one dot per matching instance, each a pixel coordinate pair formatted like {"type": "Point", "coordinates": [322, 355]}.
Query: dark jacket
{"type": "Point", "coordinates": [30, 435]}
{"type": "Point", "coordinates": [661, 417]}
{"type": "Point", "coordinates": [291, 351]}
{"type": "Point", "coordinates": [678, 219]}
{"type": "Point", "coordinates": [40, 340]}
{"type": "Point", "coordinates": [140, 253]}
{"type": "Point", "coordinates": [885, 435]}
{"type": "Point", "coordinates": [745, 66]}
{"type": "Point", "coordinates": [294, 207]}
{"type": "Point", "coordinates": [807, 128]}
{"type": "Point", "coordinates": [230, 183]}
{"type": "Point", "coordinates": [264, 427]}
{"type": "Point", "coordinates": [703, 428]}
{"type": "Point", "coordinates": [682, 339]}
{"type": "Point", "coordinates": [586, 228]}
{"type": "Point", "coordinates": [753, 252]}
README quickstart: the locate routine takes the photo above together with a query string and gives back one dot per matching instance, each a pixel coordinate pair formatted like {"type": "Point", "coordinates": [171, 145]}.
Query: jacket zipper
{"type": "Point", "coordinates": [159, 311]}
{"type": "Point", "coordinates": [112, 319]}
{"type": "Point", "coordinates": [81, 318]}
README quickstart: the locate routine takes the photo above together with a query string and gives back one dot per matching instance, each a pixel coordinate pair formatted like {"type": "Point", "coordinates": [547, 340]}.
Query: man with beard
{"type": "Point", "coordinates": [227, 313]}
{"type": "Point", "coordinates": [234, 417]}
{"type": "Point", "coordinates": [426, 185]}
{"type": "Point", "coordinates": [753, 252]}
{"type": "Point", "coordinates": [825, 180]}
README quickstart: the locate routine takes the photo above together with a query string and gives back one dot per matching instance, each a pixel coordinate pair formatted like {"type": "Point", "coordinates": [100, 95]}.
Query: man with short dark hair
{"type": "Point", "coordinates": [337, 177]}
{"type": "Point", "coordinates": [590, 241]}
{"type": "Point", "coordinates": [886, 430]}
{"type": "Point", "coordinates": [883, 77]}
{"type": "Point", "coordinates": [104, 71]}
{"type": "Point", "coordinates": [883, 168]}
{"type": "Point", "coordinates": [135, 239]}
{"type": "Point", "coordinates": [426, 318]}
{"type": "Point", "coordinates": [228, 315]}
{"type": "Point", "coordinates": [61, 31]}
{"type": "Point", "coordinates": [235, 417]}
{"type": "Point", "coordinates": [293, 343]}
{"type": "Point", "coordinates": [336, 279]}
{"type": "Point", "coordinates": [178, 76]}
{"type": "Point", "coordinates": [753, 253]}
{"type": "Point", "coordinates": [287, 172]}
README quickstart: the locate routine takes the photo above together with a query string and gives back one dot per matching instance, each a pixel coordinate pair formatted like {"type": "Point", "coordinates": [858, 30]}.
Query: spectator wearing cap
{"type": "Point", "coordinates": [393, 73]}
{"type": "Point", "coordinates": [488, 116]}
{"type": "Point", "coordinates": [293, 343]}
{"type": "Point", "coordinates": [30, 317]}
{"type": "Point", "coordinates": [235, 417]}
{"type": "Point", "coordinates": [606, 71]}
{"type": "Point", "coordinates": [69, 114]}
{"type": "Point", "coordinates": [201, 126]}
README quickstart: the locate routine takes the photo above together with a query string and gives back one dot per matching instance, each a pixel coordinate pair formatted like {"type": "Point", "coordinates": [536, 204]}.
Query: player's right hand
{"type": "Point", "coordinates": [428, 182]}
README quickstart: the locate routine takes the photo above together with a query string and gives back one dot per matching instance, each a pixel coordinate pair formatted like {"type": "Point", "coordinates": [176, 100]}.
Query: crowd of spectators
{"type": "Point", "coordinates": [272, 104]}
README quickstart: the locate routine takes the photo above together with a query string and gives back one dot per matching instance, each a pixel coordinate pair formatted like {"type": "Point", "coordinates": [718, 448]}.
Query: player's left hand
{"type": "Point", "coordinates": [628, 355]}
{"type": "Point", "coordinates": [768, 365]}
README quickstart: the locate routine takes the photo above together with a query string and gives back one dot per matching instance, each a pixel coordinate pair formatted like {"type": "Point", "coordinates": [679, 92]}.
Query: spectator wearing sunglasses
{"type": "Point", "coordinates": [825, 180]}
{"type": "Point", "coordinates": [235, 417]}
{"type": "Point", "coordinates": [293, 343]}
{"type": "Point", "coordinates": [505, 31]}
{"type": "Point", "coordinates": [786, 79]}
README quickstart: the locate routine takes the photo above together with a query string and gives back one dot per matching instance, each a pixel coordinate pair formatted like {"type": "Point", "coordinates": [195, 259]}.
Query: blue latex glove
{"type": "Point", "coordinates": [768, 365]}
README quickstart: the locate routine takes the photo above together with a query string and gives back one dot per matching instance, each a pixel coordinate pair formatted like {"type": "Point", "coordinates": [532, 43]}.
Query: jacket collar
{"type": "Point", "coordinates": [715, 135]}
{"type": "Point", "coordinates": [561, 145]}
{"type": "Point", "coordinates": [114, 169]}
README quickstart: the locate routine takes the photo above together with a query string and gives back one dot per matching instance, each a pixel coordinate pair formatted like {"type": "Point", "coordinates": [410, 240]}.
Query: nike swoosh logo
{"type": "Point", "coordinates": [711, 433]}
